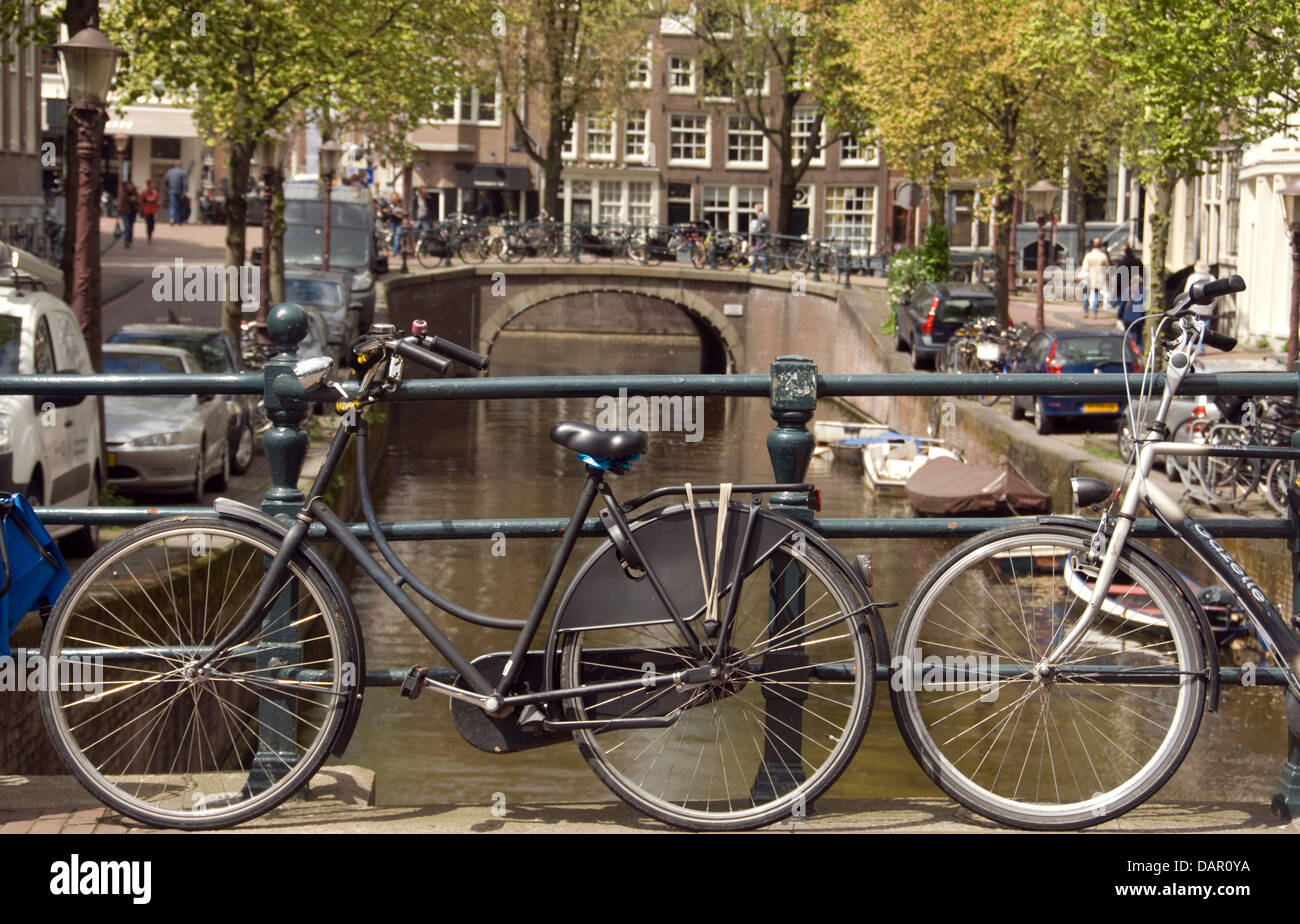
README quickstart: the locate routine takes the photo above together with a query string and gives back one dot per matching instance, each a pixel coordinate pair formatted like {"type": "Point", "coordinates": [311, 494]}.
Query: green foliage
{"type": "Point", "coordinates": [934, 252]}
{"type": "Point", "coordinates": [911, 266]}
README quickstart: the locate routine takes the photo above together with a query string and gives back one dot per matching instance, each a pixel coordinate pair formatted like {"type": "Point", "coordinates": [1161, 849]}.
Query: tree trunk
{"type": "Point", "coordinates": [552, 164]}
{"type": "Point", "coordinates": [236, 215]}
{"type": "Point", "coordinates": [1156, 271]}
{"type": "Point", "coordinates": [938, 194]}
{"type": "Point", "coordinates": [277, 238]}
{"type": "Point", "coordinates": [1003, 228]}
{"type": "Point", "coordinates": [1080, 218]}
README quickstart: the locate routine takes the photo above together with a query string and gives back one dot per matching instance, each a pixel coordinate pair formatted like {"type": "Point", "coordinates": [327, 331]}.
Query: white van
{"type": "Point", "coordinates": [49, 444]}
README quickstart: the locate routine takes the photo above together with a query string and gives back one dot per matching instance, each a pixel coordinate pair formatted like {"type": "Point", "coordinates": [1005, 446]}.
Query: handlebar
{"type": "Point", "coordinates": [457, 352]}
{"type": "Point", "coordinates": [418, 354]}
{"type": "Point", "coordinates": [1202, 293]}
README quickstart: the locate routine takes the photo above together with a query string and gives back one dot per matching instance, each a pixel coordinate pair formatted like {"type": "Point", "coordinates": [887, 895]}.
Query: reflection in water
{"type": "Point", "coordinates": [493, 459]}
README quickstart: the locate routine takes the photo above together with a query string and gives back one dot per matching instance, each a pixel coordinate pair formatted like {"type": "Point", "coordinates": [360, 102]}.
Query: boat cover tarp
{"type": "Point", "coordinates": [949, 487]}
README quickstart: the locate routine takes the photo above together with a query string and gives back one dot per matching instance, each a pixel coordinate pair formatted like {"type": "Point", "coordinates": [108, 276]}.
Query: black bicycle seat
{"type": "Point", "coordinates": [602, 444]}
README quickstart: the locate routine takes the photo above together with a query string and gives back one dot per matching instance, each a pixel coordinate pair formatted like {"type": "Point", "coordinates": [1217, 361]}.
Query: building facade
{"type": "Point", "coordinates": [22, 199]}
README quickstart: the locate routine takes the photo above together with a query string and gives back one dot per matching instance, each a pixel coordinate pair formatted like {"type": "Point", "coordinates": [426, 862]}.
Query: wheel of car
{"type": "Point", "coordinates": [241, 453]}
{"type": "Point", "coordinates": [917, 362]}
{"type": "Point", "coordinates": [1042, 423]}
{"type": "Point", "coordinates": [221, 480]}
{"type": "Point", "coordinates": [84, 542]}
{"type": "Point", "coordinates": [899, 343]}
{"type": "Point", "coordinates": [1124, 441]}
{"type": "Point", "coordinates": [1017, 412]}
{"type": "Point", "coordinates": [195, 493]}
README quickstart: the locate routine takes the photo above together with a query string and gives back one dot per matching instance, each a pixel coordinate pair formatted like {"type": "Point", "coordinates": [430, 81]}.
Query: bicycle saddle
{"type": "Point", "coordinates": [601, 444]}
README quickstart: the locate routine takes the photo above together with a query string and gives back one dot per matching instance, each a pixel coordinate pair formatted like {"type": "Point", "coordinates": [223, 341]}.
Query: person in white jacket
{"type": "Point", "coordinates": [1095, 269]}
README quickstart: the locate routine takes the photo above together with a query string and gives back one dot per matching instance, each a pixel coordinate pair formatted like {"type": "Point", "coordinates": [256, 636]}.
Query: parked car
{"type": "Point", "coordinates": [329, 294]}
{"type": "Point", "coordinates": [934, 313]}
{"type": "Point", "coordinates": [315, 343]}
{"type": "Point", "coordinates": [163, 442]}
{"type": "Point", "coordinates": [1057, 351]}
{"type": "Point", "coordinates": [214, 352]}
{"type": "Point", "coordinates": [353, 247]}
{"type": "Point", "coordinates": [49, 444]}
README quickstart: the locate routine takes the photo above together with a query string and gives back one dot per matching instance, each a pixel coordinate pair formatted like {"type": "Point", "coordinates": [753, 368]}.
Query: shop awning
{"type": "Point", "coordinates": [491, 176]}
{"type": "Point", "coordinates": [153, 121]}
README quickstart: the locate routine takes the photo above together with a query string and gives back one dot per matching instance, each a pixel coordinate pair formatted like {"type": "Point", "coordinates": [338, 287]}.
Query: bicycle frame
{"type": "Point", "coordinates": [494, 699]}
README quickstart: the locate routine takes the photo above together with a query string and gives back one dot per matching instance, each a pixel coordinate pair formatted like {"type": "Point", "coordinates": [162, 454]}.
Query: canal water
{"type": "Point", "coordinates": [493, 459]}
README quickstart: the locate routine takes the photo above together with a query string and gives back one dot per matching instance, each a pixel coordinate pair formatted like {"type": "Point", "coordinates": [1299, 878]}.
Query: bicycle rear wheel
{"type": "Point", "coordinates": [1036, 745]}
{"type": "Point", "coordinates": [756, 744]}
{"type": "Point", "coordinates": [162, 744]}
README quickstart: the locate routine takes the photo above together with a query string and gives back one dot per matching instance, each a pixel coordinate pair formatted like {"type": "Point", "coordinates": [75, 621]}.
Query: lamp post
{"type": "Point", "coordinates": [268, 151]}
{"type": "Point", "coordinates": [1290, 194]}
{"type": "Point", "coordinates": [122, 143]}
{"type": "Point", "coordinates": [1043, 197]}
{"type": "Point", "coordinates": [328, 154]}
{"type": "Point", "coordinates": [87, 61]}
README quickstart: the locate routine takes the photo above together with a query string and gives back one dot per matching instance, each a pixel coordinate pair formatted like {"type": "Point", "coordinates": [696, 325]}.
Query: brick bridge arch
{"type": "Point", "coordinates": [694, 305]}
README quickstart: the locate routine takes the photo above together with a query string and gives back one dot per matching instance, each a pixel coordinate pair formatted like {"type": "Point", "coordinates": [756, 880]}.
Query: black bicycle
{"type": "Point", "coordinates": [712, 658]}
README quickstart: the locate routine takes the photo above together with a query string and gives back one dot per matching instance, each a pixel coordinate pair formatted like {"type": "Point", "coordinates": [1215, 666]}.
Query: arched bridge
{"type": "Point", "coordinates": [743, 319]}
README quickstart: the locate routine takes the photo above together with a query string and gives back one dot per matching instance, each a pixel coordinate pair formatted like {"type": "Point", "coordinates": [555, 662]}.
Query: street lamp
{"type": "Point", "coordinates": [1290, 194]}
{"type": "Point", "coordinates": [1043, 198]}
{"type": "Point", "coordinates": [122, 142]}
{"type": "Point", "coordinates": [269, 151]}
{"type": "Point", "coordinates": [87, 62]}
{"type": "Point", "coordinates": [328, 154]}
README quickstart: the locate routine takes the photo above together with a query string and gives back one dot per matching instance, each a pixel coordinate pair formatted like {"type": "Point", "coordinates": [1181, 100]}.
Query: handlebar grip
{"type": "Point", "coordinates": [418, 354]}
{"type": "Point", "coordinates": [457, 352]}
{"type": "Point", "coordinates": [1220, 341]}
{"type": "Point", "coordinates": [1202, 293]}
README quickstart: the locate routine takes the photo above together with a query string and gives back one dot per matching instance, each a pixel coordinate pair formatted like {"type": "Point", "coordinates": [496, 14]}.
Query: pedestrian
{"type": "Point", "coordinates": [1095, 267]}
{"type": "Point", "coordinates": [1128, 280]}
{"type": "Point", "coordinates": [149, 199]}
{"type": "Point", "coordinates": [176, 182]}
{"type": "Point", "coordinates": [1201, 273]}
{"type": "Point", "coordinates": [758, 235]}
{"type": "Point", "coordinates": [128, 204]}
{"type": "Point", "coordinates": [423, 214]}
{"type": "Point", "coordinates": [395, 216]}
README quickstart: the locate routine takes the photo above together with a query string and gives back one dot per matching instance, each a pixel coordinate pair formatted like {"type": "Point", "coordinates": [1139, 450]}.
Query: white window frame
{"type": "Point", "coordinates": [810, 112]}
{"type": "Point", "coordinates": [708, 140]}
{"type": "Point", "coordinates": [755, 129]}
{"type": "Point", "coordinates": [871, 152]}
{"type": "Point", "coordinates": [612, 131]}
{"type": "Point", "coordinates": [467, 113]}
{"type": "Point", "coordinates": [828, 223]}
{"type": "Point", "coordinates": [569, 150]}
{"type": "Point", "coordinates": [691, 71]}
{"type": "Point", "coordinates": [646, 61]}
{"type": "Point", "coordinates": [637, 157]}
{"type": "Point", "coordinates": [733, 207]}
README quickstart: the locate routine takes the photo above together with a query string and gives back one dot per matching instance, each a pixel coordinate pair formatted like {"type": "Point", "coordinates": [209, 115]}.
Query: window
{"type": "Point", "coordinates": [569, 148]}
{"type": "Point", "coordinates": [639, 204]}
{"type": "Point", "coordinates": [1232, 199]}
{"type": "Point", "coordinates": [44, 349]}
{"type": "Point", "coordinates": [715, 78]}
{"type": "Point", "coordinates": [681, 74]}
{"type": "Point", "coordinates": [854, 153]}
{"type": "Point", "coordinates": [729, 208]}
{"type": "Point", "coordinates": [639, 70]}
{"type": "Point", "coordinates": [610, 206]}
{"type": "Point", "coordinates": [636, 133]}
{"type": "Point", "coordinates": [487, 105]}
{"type": "Point", "coordinates": [801, 136]}
{"type": "Point", "coordinates": [688, 139]}
{"type": "Point", "coordinates": [473, 104]}
{"type": "Point", "coordinates": [965, 229]}
{"type": "Point", "coordinates": [165, 149]}
{"type": "Point", "coordinates": [600, 138]}
{"type": "Point", "coordinates": [745, 142]}
{"type": "Point", "coordinates": [754, 83]}
{"type": "Point", "coordinates": [850, 214]}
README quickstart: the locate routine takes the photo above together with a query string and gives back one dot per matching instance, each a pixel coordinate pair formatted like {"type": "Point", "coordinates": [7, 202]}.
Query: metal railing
{"type": "Point", "coordinates": [792, 388]}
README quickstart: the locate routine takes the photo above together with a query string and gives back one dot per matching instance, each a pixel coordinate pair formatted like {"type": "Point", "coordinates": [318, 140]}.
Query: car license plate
{"type": "Point", "coordinates": [1110, 407]}
{"type": "Point", "coordinates": [112, 458]}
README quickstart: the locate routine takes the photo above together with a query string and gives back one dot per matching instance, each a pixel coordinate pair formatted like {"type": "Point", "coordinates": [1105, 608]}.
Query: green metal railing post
{"type": "Point", "coordinates": [1286, 799]}
{"type": "Point", "coordinates": [286, 447]}
{"type": "Point", "coordinates": [793, 399]}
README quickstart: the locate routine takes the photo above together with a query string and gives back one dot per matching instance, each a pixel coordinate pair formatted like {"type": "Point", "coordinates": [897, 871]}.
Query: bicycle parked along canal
{"type": "Point", "coordinates": [1083, 659]}
{"type": "Point", "coordinates": [712, 658]}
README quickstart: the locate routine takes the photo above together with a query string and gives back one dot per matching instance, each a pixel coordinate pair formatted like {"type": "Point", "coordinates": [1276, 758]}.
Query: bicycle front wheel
{"type": "Point", "coordinates": [170, 746]}
{"type": "Point", "coordinates": [1036, 744]}
{"type": "Point", "coordinates": [758, 743]}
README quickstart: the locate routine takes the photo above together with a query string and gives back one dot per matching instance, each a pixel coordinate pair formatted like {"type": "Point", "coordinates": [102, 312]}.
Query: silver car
{"type": "Point", "coordinates": [163, 442]}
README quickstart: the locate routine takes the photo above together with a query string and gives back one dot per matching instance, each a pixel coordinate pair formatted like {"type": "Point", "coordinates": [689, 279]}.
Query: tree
{"type": "Point", "coordinates": [988, 88]}
{"type": "Point", "coordinates": [249, 67]}
{"type": "Point", "coordinates": [758, 58]}
{"type": "Point", "coordinates": [565, 57]}
{"type": "Point", "coordinates": [1197, 73]}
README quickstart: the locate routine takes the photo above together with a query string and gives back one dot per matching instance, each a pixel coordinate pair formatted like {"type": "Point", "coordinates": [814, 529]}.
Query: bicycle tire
{"type": "Point", "coordinates": [1281, 473]}
{"type": "Point", "coordinates": [472, 249]}
{"type": "Point", "coordinates": [740, 747]}
{"type": "Point", "coordinates": [236, 765]}
{"type": "Point", "coordinates": [428, 252]}
{"type": "Point", "coordinates": [1231, 481]}
{"type": "Point", "coordinates": [1002, 597]}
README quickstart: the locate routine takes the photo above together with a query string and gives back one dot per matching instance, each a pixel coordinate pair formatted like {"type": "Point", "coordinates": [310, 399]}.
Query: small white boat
{"type": "Point", "coordinates": [889, 459]}
{"type": "Point", "coordinates": [826, 432]}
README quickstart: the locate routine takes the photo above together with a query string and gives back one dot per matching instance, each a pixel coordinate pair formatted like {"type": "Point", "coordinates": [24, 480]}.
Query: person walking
{"type": "Point", "coordinates": [758, 234]}
{"type": "Point", "coordinates": [395, 216]}
{"type": "Point", "coordinates": [176, 182]}
{"type": "Point", "coordinates": [1095, 268]}
{"type": "Point", "coordinates": [128, 204]}
{"type": "Point", "coordinates": [1128, 281]}
{"type": "Point", "coordinates": [149, 199]}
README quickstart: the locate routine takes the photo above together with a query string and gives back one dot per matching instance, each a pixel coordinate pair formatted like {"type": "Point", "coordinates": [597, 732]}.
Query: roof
{"type": "Point", "coordinates": [140, 349]}
{"type": "Point", "coordinates": [163, 328]}
{"type": "Point", "coordinates": [957, 289]}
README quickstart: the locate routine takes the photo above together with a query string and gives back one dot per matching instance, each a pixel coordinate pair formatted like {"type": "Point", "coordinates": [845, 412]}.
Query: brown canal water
{"type": "Point", "coordinates": [493, 459]}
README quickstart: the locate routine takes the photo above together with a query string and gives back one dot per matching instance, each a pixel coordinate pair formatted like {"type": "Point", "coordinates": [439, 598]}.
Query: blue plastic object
{"type": "Point", "coordinates": [34, 571]}
{"type": "Point", "coordinates": [618, 465]}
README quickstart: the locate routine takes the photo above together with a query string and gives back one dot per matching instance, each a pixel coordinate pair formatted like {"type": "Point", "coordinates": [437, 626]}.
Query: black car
{"type": "Point", "coordinates": [934, 313]}
{"type": "Point", "coordinates": [215, 353]}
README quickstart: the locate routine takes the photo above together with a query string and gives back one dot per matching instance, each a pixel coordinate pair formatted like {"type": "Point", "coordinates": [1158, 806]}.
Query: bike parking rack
{"type": "Point", "coordinates": [792, 388]}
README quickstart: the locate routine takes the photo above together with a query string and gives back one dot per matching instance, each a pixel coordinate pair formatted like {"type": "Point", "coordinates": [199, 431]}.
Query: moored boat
{"type": "Point", "coordinates": [890, 458]}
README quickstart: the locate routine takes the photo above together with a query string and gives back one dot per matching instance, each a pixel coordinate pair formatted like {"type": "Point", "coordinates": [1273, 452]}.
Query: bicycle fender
{"type": "Point", "coordinates": [233, 509]}
{"type": "Point", "coordinates": [1202, 623]}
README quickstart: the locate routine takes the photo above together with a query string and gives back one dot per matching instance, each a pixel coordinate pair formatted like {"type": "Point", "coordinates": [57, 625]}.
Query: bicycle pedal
{"type": "Point", "coordinates": [531, 719]}
{"type": "Point", "coordinates": [413, 682]}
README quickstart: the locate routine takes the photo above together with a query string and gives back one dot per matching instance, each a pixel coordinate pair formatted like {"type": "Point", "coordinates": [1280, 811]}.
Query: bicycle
{"type": "Point", "coordinates": [712, 659]}
{"type": "Point", "coordinates": [1106, 654]}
